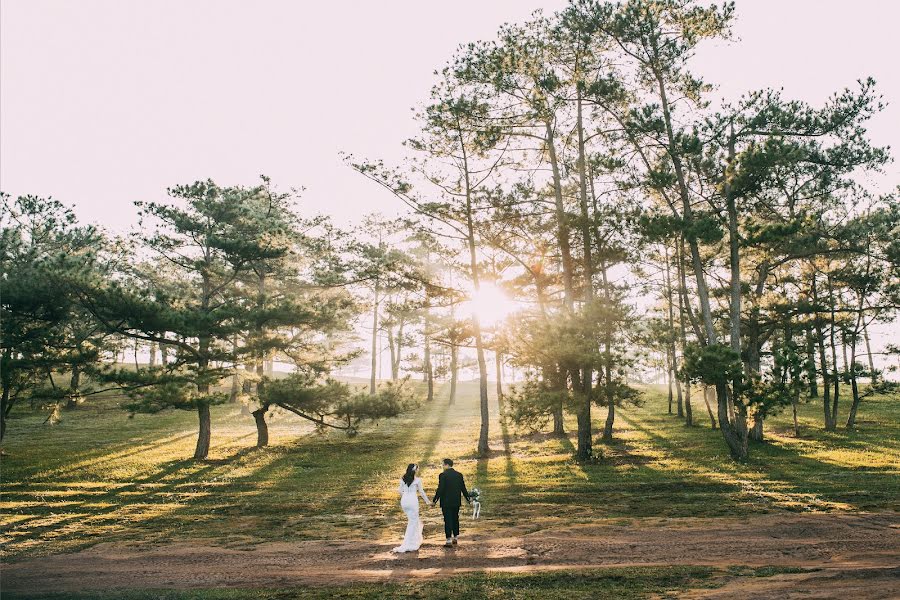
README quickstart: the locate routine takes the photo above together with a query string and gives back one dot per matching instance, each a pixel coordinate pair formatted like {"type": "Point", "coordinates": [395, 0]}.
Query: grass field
{"type": "Point", "coordinates": [606, 584]}
{"type": "Point", "coordinates": [101, 476]}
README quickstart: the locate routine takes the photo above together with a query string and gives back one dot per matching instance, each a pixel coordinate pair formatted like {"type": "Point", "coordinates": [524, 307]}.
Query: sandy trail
{"type": "Point", "coordinates": [857, 556]}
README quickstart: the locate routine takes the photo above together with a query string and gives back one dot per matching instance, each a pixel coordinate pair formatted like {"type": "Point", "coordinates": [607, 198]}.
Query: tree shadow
{"type": "Point", "coordinates": [776, 475]}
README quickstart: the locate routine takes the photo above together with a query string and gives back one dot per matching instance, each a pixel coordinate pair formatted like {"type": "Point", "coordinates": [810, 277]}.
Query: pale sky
{"type": "Point", "coordinates": [103, 102]}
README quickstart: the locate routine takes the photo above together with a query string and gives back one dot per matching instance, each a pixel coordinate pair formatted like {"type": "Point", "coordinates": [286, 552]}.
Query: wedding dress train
{"type": "Point", "coordinates": [409, 502]}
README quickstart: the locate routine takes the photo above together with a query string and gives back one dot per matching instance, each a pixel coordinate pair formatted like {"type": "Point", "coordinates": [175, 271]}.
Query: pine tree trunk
{"type": "Point", "coordinates": [454, 372]}
{"type": "Point", "coordinates": [712, 417]}
{"type": "Point", "coordinates": [374, 342]}
{"type": "Point", "coordinates": [74, 385]}
{"type": "Point", "coordinates": [682, 326]}
{"type": "Point", "coordinates": [669, 378]}
{"type": "Point", "coordinates": [395, 368]}
{"type": "Point", "coordinates": [851, 418]}
{"type": "Point", "coordinates": [733, 433]}
{"type": "Point", "coordinates": [562, 221]}
{"type": "Point", "coordinates": [235, 388]}
{"type": "Point", "coordinates": [794, 402]}
{"type": "Point", "coordinates": [585, 433]}
{"type": "Point", "coordinates": [391, 346]}
{"type": "Point", "coordinates": [204, 434]}
{"type": "Point", "coordinates": [671, 341]}
{"type": "Point", "coordinates": [872, 376]}
{"type": "Point", "coordinates": [688, 409]}
{"type": "Point", "coordinates": [5, 387]}
{"type": "Point", "coordinates": [498, 359]}
{"type": "Point", "coordinates": [610, 419]}
{"type": "Point", "coordinates": [429, 368]}
{"type": "Point", "coordinates": [483, 445]}
{"type": "Point", "coordinates": [558, 425]}
{"type": "Point", "coordinates": [823, 361]}
{"type": "Point", "coordinates": [811, 373]}
{"type": "Point", "coordinates": [837, 379]}
{"type": "Point", "coordinates": [756, 432]}
{"type": "Point", "coordinates": [262, 428]}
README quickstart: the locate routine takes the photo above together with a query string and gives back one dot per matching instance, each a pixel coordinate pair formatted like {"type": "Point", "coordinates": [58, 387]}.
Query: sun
{"type": "Point", "coordinates": [490, 304]}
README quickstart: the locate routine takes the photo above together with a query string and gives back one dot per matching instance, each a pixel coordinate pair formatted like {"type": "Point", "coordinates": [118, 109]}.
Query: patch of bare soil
{"type": "Point", "coordinates": [848, 549]}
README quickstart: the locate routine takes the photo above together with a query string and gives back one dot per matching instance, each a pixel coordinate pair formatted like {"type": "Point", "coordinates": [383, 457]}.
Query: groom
{"type": "Point", "coordinates": [451, 486]}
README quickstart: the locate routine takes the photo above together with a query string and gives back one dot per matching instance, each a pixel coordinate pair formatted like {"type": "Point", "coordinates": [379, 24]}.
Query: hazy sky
{"type": "Point", "coordinates": [103, 102]}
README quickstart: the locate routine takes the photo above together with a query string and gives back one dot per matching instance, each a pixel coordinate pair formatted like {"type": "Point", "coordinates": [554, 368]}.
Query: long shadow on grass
{"type": "Point", "coordinates": [312, 486]}
{"type": "Point", "coordinates": [778, 474]}
{"type": "Point", "coordinates": [111, 503]}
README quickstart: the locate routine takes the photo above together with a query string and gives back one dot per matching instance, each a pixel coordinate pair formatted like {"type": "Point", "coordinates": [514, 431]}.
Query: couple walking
{"type": "Point", "coordinates": [451, 489]}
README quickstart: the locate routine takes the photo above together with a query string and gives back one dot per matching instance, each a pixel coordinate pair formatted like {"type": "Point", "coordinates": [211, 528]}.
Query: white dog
{"type": "Point", "coordinates": [475, 501]}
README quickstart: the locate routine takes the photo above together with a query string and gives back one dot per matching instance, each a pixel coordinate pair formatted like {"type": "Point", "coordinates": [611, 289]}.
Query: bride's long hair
{"type": "Point", "coordinates": [410, 474]}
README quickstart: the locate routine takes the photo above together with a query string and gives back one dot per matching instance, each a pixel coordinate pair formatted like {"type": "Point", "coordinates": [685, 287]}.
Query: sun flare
{"type": "Point", "coordinates": [490, 304]}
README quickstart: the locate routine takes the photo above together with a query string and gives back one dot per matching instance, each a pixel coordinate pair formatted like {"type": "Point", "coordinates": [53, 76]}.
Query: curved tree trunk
{"type": "Point", "coordinates": [712, 417]}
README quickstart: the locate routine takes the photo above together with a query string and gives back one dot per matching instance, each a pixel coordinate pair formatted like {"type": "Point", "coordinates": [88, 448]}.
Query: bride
{"type": "Point", "coordinates": [410, 485]}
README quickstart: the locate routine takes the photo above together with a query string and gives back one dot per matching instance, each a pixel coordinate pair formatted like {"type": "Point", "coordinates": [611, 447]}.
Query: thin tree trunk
{"type": "Point", "coordinates": [584, 450]}
{"type": "Point", "coordinates": [688, 409]}
{"type": "Point", "coordinates": [669, 377]}
{"type": "Point", "coordinates": [712, 417]}
{"type": "Point", "coordinates": [74, 385]}
{"type": "Point", "coordinates": [682, 292]}
{"type": "Point", "coordinates": [374, 341]}
{"type": "Point", "coordinates": [836, 379]}
{"type": "Point", "coordinates": [872, 375]}
{"type": "Point", "coordinates": [498, 359]}
{"type": "Point", "coordinates": [483, 445]}
{"type": "Point", "coordinates": [811, 373]}
{"type": "Point", "coordinates": [562, 221]}
{"type": "Point", "coordinates": [4, 405]}
{"type": "Point", "coordinates": [671, 339]}
{"type": "Point", "coordinates": [454, 372]}
{"type": "Point", "coordinates": [390, 336]}
{"type": "Point", "coordinates": [823, 361]}
{"type": "Point", "coordinates": [429, 369]}
{"type": "Point", "coordinates": [5, 389]}
{"type": "Point", "coordinates": [854, 406]}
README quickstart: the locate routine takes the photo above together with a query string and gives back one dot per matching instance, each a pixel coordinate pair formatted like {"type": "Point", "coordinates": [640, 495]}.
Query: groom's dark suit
{"type": "Point", "coordinates": [451, 488]}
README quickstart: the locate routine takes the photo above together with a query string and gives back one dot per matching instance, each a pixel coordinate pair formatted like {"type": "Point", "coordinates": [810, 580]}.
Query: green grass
{"type": "Point", "coordinates": [100, 476]}
{"type": "Point", "coordinates": [616, 583]}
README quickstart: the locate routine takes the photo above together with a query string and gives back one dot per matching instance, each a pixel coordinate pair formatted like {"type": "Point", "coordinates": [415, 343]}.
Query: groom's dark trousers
{"type": "Point", "coordinates": [451, 489]}
{"type": "Point", "coordinates": [451, 520]}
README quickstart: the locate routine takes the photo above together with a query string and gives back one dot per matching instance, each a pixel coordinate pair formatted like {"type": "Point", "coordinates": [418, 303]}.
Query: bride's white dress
{"type": "Point", "coordinates": [409, 502]}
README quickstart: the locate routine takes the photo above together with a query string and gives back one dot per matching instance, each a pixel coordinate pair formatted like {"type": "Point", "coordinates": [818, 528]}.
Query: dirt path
{"type": "Point", "coordinates": [854, 552]}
